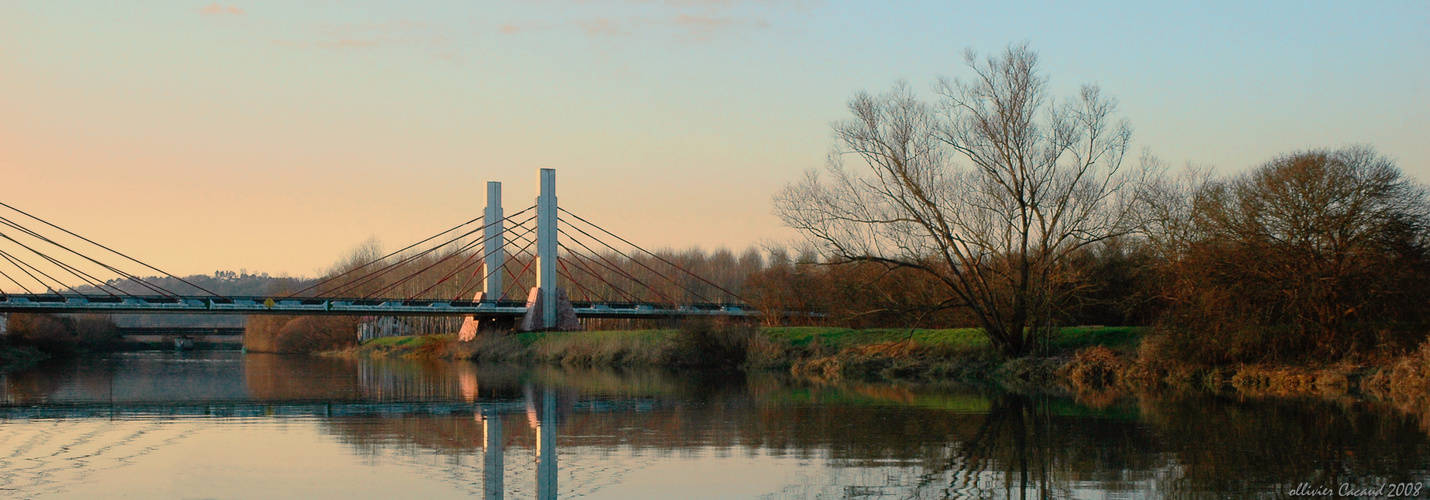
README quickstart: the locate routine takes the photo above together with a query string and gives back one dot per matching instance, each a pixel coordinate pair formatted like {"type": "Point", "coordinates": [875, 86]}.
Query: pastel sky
{"type": "Point", "coordinates": [275, 135]}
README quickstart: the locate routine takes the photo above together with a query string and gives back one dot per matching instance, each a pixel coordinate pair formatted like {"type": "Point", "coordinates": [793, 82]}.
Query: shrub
{"type": "Point", "coordinates": [706, 345]}
{"type": "Point", "coordinates": [309, 334]}
{"type": "Point", "coordinates": [1095, 368]}
{"type": "Point", "coordinates": [1318, 255]}
{"type": "Point", "coordinates": [63, 334]}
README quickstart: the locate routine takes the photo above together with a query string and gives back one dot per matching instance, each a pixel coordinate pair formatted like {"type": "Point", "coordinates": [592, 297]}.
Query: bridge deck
{"type": "Point", "coordinates": [56, 303]}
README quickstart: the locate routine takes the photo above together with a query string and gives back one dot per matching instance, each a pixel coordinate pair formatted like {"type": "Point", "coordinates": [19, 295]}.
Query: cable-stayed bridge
{"type": "Point", "coordinates": [479, 269]}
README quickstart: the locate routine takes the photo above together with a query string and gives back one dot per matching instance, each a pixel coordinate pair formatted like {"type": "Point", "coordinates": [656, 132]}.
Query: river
{"type": "Point", "coordinates": [233, 425]}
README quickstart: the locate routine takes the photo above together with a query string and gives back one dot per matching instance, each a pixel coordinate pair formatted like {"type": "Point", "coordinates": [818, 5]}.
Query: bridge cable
{"type": "Point", "coordinates": [47, 286]}
{"type": "Point", "coordinates": [528, 239]}
{"type": "Point", "coordinates": [121, 273]}
{"type": "Point", "coordinates": [444, 259]}
{"type": "Point", "coordinates": [465, 288]}
{"type": "Point", "coordinates": [612, 266]}
{"type": "Point", "coordinates": [17, 263]}
{"type": "Point", "coordinates": [83, 276]}
{"type": "Point", "coordinates": [516, 279]}
{"type": "Point", "coordinates": [531, 259]}
{"type": "Point", "coordinates": [616, 268]}
{"type": "Point", "coordinates": [566, 273]}
{"type": "Point", "coordinates": [648, 252]}
{"type": "Point", "coordinates": [382, 271]}
{"type": "Point", "coordinates": [582, 265]}
{"type": "Point", "coordinates": [604, 297]}
{"type": "Point", "coordinates": [460, 267]}
{"type": "Point", "coordinates": [466, 263]}
{"type": "Point", "coordinates": [101, 284]}
{"type": "Point", "coordinates": [586, 267]}
{"type": "Point", "coordinates": [434, 264]}
{"type": "Point", "coordinates": [369, 263]}
{"type": "Point", "coordinates": [658, 274]}
{"type": "Point", "coordinates": [373, 275]}
{"type": "Point", "coordinates": [116, 252]}
{"type": "Point", "coordinates": [17, 283]}
{"type": "Point", "coordinates": [393, 266]}
{"type": "Point", "coordinates": [380, 259]}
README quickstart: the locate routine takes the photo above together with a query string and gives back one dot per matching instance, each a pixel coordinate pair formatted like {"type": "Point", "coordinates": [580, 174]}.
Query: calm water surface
{"type": "Point", "coordinates": [229, 425]}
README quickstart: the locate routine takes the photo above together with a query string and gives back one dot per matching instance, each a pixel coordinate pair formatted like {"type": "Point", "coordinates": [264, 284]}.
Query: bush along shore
{"type": "Point", "coordinates": [1093, 361]}
{"type": "Point", "coordinates": [822, 353]}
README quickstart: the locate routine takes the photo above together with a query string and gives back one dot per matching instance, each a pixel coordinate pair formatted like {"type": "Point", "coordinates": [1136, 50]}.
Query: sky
{"type": "Point", "coordinates": [275, 136]}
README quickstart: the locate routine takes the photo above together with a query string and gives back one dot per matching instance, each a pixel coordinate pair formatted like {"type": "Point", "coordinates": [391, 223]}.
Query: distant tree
{"type": "Point", "coordinates": [991, 192]}
{"type": "Point", "coordinates": [1317, 253]}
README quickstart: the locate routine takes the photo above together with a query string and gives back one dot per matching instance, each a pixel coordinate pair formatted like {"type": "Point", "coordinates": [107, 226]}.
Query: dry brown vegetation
{"type": "Point", "coordinates": [1317, 256]}
{"type": "Point", "coordinates": [62, 334]}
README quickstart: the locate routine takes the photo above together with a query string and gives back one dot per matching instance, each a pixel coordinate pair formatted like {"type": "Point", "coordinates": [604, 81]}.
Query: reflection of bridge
{"type": "Point", "coordinates": [210, 334]}
{"type": "Point", "coordinates": [608, 283]}
{"type": "Point", "coordinates": [488, 412]}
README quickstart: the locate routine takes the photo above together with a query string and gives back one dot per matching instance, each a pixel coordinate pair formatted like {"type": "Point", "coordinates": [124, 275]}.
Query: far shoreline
{"type": "Point", "coordinates": [1100, 361]}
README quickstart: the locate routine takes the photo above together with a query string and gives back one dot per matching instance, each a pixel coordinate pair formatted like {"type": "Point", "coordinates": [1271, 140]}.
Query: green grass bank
{"type": "Point", "coordinates": [1093, 363]}
{"type": "Point", "coordinates": [962, 354]}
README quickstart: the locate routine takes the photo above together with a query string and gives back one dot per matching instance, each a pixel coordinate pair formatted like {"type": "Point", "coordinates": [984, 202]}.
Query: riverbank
{"type": "Point", "coordinates": [1096, 362]}
{"type": "Point", "coordinates": [962, 354]}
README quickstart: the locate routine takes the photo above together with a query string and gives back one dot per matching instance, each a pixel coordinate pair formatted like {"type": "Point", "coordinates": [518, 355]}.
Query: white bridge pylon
{"type": "Point", "coordinates": [547, 305]}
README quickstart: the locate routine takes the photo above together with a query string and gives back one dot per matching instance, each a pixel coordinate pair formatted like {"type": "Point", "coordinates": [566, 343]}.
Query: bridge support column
{"type": "Point", "coordinates": [546, 246]}
{"type": "Point", "coordinates": [547, 307]}
{"type": "Point", "coordinates": [4, 323]}
{"type": "Point", "coordinates": [494, 250]}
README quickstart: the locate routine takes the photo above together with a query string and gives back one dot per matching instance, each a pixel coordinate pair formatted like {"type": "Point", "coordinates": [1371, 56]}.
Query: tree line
{"type": "Point", "coordinates": [1002, 207]}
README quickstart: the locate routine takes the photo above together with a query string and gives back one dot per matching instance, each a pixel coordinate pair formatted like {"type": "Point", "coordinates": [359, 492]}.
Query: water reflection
{"type": "Point", "coordinates": [550, 431]}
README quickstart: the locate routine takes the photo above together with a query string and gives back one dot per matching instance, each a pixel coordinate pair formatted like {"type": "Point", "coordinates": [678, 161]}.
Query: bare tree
{"type": "Point", "coordinates": [992, 190]}
{"type": "Point", "coordinates": [1319, 254]}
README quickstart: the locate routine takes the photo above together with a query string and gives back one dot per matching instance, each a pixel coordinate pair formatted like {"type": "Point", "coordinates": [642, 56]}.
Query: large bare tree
{"type": "Point", "coordinates": [992, 190]}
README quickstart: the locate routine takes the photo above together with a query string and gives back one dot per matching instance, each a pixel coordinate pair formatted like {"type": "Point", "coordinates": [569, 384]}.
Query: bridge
{"type": "Point", "coordinates": [432, 277]}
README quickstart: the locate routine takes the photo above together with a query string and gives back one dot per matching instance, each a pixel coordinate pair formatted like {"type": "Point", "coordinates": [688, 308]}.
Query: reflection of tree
{"type": "Point", "coordinates": [1257, 447]}
{"type": "Point", "coordinates": [870, 439]}
{"type": "Point", "coordinates": [278, 377]}
{"type": "Point", "coordinates": [29, 387]}
{"type": "Point", "coordinates": [1034, 446]}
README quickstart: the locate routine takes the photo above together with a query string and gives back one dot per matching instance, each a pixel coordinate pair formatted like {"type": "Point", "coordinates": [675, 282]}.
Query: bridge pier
{"type": "Point", "coordinates": [547, 306]}
{"type": "Point", "coordinates": [4, 323]}
{"type": "Point", "coordinates": [495, 244]}
{"type": "Point", "coordinates": [494, 248]}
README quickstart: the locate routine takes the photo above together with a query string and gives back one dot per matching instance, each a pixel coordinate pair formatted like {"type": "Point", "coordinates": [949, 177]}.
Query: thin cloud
{"type": "Point", "coordinates": [510, 29]}
{"type": "Point", "coordinates": [603, 27]}
{"type": "Point", "coordinates": [705, 27]}
{"type": "Point", "coordinates": [216, 9]}
{"type": "Point", "coordinates": [403, 35]}
{"type": "Point", "coordinates": [708, 22]}
{"type": "Point", "coordinates": [348, 43]}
